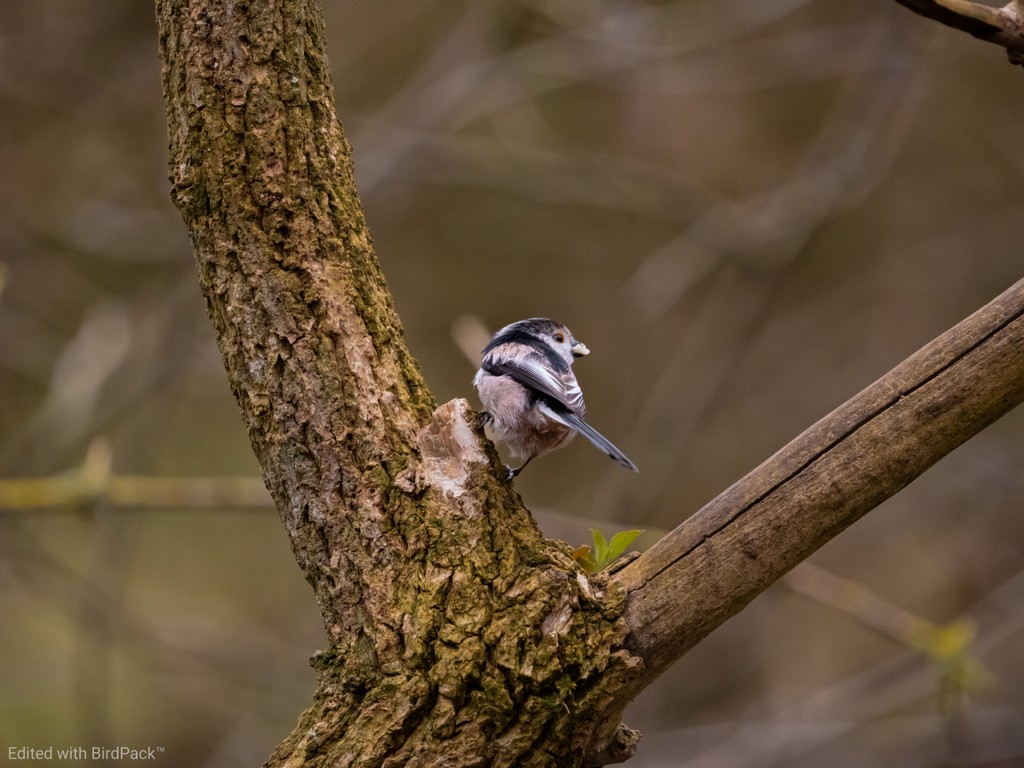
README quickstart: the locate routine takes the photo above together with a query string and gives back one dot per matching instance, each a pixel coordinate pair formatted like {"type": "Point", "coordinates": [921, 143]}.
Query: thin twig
{"type": "Point", "coordinates": [1002, 26]}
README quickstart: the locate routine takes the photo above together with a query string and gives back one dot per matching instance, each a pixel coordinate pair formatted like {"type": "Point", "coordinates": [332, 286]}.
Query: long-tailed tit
{"type": "Point", "coordinates": [530, 394]}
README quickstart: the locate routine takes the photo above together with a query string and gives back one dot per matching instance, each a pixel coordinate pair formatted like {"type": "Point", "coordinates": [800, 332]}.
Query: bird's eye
{"type": "Point", "coordinates": [559, 337]}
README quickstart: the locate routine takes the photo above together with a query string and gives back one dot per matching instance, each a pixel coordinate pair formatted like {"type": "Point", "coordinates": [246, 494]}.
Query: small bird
{"type": "Point", "coordinates": [530, 394]}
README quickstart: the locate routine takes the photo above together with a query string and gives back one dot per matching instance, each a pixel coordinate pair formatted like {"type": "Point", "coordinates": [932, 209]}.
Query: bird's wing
{"type": "Point", "coordinates": [602, 443]}
{"type": "Point", "coordinates": [535, 374]}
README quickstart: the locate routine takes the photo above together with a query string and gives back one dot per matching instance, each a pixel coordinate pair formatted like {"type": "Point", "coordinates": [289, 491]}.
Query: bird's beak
{"type": "Point", "coordinates": [579, 349]}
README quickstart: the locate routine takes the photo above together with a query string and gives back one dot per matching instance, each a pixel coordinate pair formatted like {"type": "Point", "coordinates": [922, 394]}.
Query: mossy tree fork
{"type": "Point", "coordinates": [459, 635]}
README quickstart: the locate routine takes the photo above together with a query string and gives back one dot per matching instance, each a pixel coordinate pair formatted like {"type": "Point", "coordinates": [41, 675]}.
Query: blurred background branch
{"type": "Point", "coordinates": [94, 483]}
{"type": "Point", "coordinates": [948, 646]}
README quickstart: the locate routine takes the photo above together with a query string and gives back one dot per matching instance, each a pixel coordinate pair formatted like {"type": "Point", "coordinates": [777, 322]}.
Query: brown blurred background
{"type": "Point", "coordinates": [749, 210]}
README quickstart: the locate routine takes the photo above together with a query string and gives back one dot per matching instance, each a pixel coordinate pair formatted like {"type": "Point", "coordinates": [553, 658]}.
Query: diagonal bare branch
{"type": "Point", "coordinates": [711, 566]}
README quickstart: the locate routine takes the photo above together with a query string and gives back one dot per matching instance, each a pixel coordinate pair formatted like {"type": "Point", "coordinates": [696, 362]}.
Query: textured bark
{"type": "Point", "coordinates": [455, 628]}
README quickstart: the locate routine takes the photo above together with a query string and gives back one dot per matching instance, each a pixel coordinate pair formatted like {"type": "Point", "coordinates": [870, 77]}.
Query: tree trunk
{"type": "Point", "coordinates": [452, 621]}
{"type": "Point", "coordinates": [458, 635]}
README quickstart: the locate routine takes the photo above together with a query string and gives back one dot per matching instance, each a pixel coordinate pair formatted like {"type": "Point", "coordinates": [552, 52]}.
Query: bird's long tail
{"type": "Point", "coordinates": [600, 441]}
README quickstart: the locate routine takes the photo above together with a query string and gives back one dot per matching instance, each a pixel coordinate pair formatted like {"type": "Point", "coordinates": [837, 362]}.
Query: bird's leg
{"type": "Point", "coordinates": [514, 472]}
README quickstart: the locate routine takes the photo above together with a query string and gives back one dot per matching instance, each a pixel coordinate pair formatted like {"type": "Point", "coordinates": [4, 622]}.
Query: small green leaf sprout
{"type": "Point", "coordinates": [604, 552]}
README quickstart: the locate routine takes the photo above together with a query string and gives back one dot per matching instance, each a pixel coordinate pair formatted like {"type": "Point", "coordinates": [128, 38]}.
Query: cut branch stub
{"type": "Point", "coordinates": [500, 652]}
